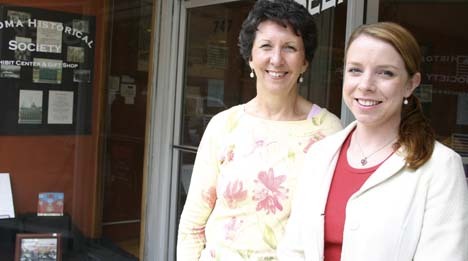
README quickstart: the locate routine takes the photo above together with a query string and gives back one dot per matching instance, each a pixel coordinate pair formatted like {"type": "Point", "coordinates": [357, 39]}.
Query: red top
{"type": "Point", "coordinates": [346, 181]}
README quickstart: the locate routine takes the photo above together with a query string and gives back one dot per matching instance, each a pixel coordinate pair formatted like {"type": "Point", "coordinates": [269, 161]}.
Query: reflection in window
{"type": "Point", "coordinates": [444, 45]}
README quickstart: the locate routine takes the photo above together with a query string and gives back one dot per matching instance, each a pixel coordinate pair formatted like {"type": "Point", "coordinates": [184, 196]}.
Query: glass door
{"type": "Point", "coordinates": [125, 123]}
{"type": "Point", "coordinates": [214, 76]}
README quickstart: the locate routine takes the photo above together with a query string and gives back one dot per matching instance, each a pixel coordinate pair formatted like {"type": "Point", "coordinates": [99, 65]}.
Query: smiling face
{"type": "Point", "coordinates": [278, 57]}
{"type": "Point", "coordinates": [376, 82]}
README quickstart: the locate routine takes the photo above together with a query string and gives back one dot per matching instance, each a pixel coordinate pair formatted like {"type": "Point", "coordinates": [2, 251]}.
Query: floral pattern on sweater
{"type": "Point", "coordinates": [270, 192]}
{"type": "Point", "coordinates": [242, 184]}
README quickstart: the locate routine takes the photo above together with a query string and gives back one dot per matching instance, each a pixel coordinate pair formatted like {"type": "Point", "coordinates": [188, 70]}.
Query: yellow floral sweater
{"type": "Point", "coordinates": [242, 184]}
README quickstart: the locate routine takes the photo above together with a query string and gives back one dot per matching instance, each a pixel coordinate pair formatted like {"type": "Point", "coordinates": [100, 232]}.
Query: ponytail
{"type": "Point", "coordinates": [415, 134]}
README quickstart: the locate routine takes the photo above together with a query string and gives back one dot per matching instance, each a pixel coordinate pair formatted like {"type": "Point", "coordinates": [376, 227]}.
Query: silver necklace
{"type": "Point", "coordinates": [364, 158]}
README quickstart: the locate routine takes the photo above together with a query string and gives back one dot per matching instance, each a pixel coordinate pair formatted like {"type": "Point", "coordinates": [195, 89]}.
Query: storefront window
{"type": "Point", "coordinates": [74, 77]}
{"type": "Point", "coordinates": [439, 27]}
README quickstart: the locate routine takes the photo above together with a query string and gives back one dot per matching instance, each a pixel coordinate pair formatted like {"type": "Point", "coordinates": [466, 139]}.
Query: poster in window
{"type": "Point", "coordinates": [30, 107]}
{"type": "Point", "coordinates": [75, 54]}
{"type": "Point", "coordinates": [49, 37]}
{"type": "Point", "coordinates": [82, 76]}
{"type": "Point", "coordinates": [16, 16]}
{"type": "Point", "coordinates": [23, 54]}
{"type": "Point", "coordinates": [21, 18]}
{"type": "Point", "coordinates": [81, 25]}
{"type": "Point", "coordinates": [47, 71]}
{"type": "Point", "coordinates": [60, 107]}
{"type": "Point", "coordinates": [10, 71]}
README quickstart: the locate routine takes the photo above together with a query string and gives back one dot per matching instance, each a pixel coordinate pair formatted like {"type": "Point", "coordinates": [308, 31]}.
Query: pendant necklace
{"type": "Point", "coordinates": [364, 158]}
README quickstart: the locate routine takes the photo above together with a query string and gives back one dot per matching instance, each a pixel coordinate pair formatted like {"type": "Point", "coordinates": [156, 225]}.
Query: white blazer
{"type": "Point", "coordinates": [397, 215]}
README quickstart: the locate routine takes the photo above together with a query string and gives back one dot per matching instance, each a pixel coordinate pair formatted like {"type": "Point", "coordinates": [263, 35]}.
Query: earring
{"type": "Point", "coordinates": [301, 79]}
{"type": "Point", "coordinates": [405, 101]}
{"type": "Point", "coordinates": [252, 75]}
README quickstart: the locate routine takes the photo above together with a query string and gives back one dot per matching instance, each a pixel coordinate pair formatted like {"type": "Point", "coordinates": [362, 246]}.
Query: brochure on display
{"type": "Point", "coordinates": [50, 204]}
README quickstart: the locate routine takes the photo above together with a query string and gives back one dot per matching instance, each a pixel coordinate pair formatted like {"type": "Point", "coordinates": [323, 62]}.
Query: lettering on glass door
{"type": "Point", "coordinates": [317, 6]}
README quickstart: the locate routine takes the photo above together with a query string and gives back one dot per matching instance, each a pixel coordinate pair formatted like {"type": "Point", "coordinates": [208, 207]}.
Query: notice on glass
{"type": "Point", "coordinates": [30, 107]}
{"type": "Point", "coordinates": [25, 54]}
{"type": "Point", "coordinates": [60, 107]}
{"type": "Point", "coordinates": [16, 16]}
{"type": "Point", "coordinates": [47, 71]}
{"type": "Point", "coordinates": [128, 91]}
{"type": "Point", "coordinates": [6, 197]}
{"type": "Point", "coordinates": [81, 25]}
{"type": "Point", "coordinates": [462, 109]}
{"type": "Point", "coordinates": [49, 37]}
{"type": "Point", "coordinates": [75, 54]}
{"type": "Point", "coordinates": [215, 93]}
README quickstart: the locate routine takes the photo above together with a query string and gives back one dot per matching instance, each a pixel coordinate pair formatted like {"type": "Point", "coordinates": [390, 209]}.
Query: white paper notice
{"type": "Point", "coordinates": [114, 83]}
{"type": "Point", "coordinates": [6, 198]}
{"type": "Point", "coordinates": [60, 107]}
{"type": "Point", "coordinates": [128, 91]}
{"type": "Point", "coordinates": [49, 37]}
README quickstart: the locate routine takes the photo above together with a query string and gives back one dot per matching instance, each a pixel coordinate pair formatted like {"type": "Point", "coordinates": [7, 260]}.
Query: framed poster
{"type": "Point", "coordinates": [32, 247]}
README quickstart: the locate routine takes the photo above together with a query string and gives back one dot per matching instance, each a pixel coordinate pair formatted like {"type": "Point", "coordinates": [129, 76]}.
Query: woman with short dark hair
{"type": "Point", "coordinates": [244, 175]}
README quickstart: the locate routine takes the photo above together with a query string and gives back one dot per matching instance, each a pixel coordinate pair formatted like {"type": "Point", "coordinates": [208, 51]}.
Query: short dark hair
{"type": "Point", "coordinates": [284, 12]}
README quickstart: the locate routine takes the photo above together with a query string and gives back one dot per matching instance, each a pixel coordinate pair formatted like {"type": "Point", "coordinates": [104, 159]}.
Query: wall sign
{"type": "Point", "coordinates": [46, 71]}
{"type": "Point", "coordinates": [317, 6]}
